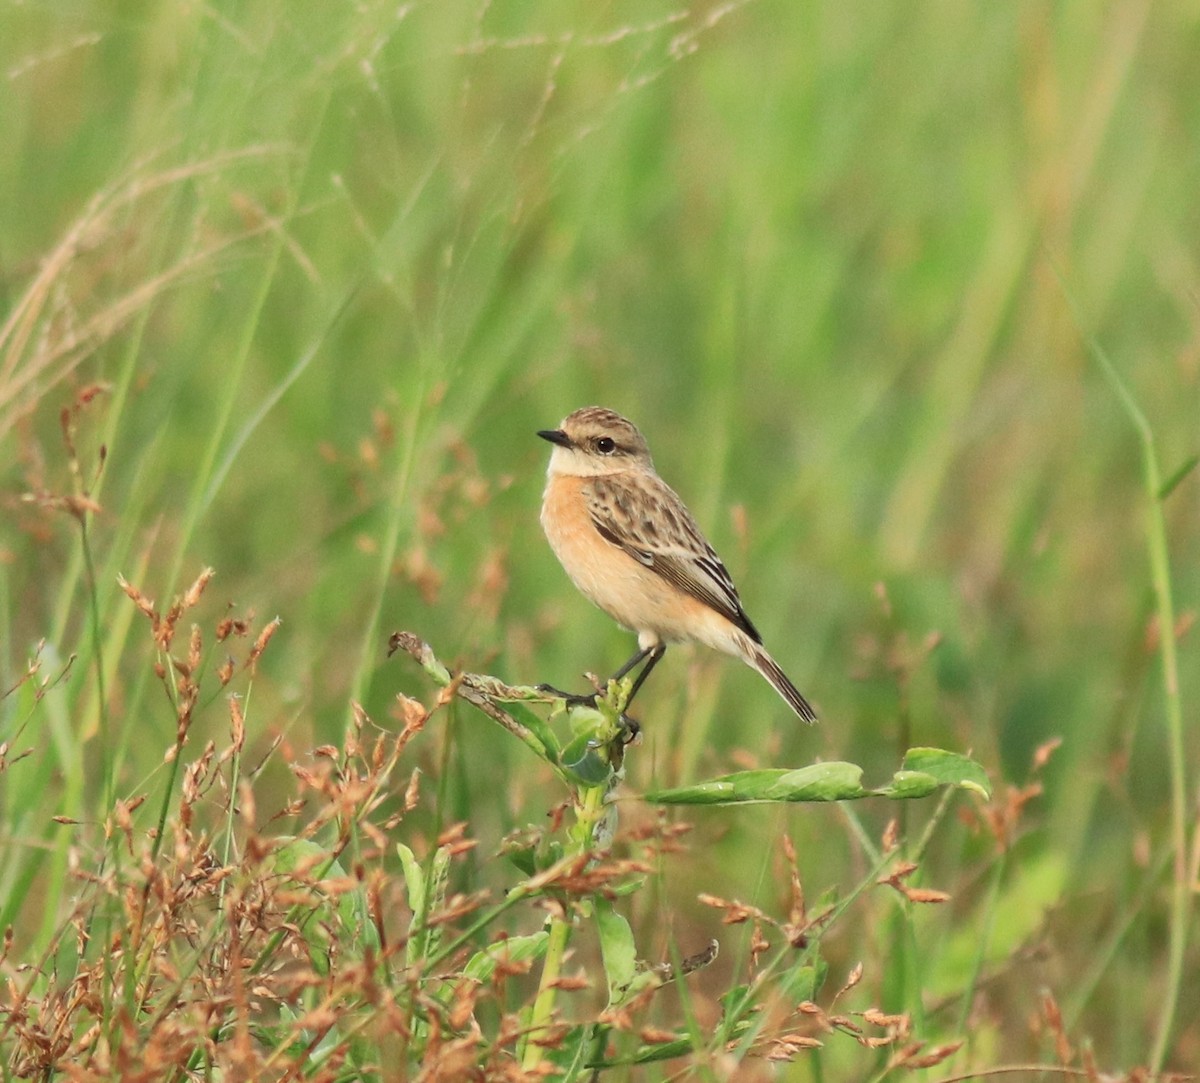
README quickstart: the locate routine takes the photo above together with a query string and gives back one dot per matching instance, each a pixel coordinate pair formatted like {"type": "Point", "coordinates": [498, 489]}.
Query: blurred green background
{"type": "Point", "coordinates": [334, 264]}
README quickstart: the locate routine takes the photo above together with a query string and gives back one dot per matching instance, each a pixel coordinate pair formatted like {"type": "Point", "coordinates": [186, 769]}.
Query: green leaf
{"type": "Point", "coordinates": [531, 849]}
{"type": "Point", "coordinates": [632, 886]}
{"type": "Point", "coordinates": [588, 721]}
{"type": "Point", "coordinates": [909, 784]}
{"type": "Point", "coordinates": [516, 949]}
{"type": "Point", "coordinates": [834, 781]}
{"type": "Point", "coordinates": [819, 782]}
{"type": "Point", "coordinates": [293, 853]}
{"type": "Point", "coordinates": [735, 1001]}
{"type": "Point", "coordinates": [537, 726]}
{"type": "Point", "coordinates": [584, 760]}
{"type": "Point", "coordinates": [924, 770]}
{"type": "Point", "coordinates": [717, 791]}
{"type": "Point", "coordinates": [523, 860]}
{"type": "Point", "coordinates": [617, 949]}
{"type": "Point", "coordinates": [649, 1054]}
{"type": "Point", "coordinates": [414, 878]}
{"type": "Point", "coordinates": [802, 982]}
{"type": "Point", "coordinates": [315, 863]}
{"type": "Point", "coordinates": [425, 894]}
{"type": "Point", "coordinates": [950, 769]}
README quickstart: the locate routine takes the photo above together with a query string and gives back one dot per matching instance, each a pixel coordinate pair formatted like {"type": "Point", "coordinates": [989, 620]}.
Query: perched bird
{"type": "Point", "coordinates": [632, 547]}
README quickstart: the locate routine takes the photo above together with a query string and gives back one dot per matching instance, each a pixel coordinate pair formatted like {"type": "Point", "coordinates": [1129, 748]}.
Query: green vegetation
{"type": "Point", "coordinates": [905, 299]}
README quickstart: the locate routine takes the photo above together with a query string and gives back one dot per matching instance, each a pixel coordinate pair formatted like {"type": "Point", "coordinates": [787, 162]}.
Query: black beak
{"type": "Point", "coordinates": [555, 436]}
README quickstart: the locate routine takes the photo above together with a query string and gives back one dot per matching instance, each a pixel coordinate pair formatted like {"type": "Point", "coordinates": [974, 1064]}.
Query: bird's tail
{"type": "Point", "coordinates": [766, 665]}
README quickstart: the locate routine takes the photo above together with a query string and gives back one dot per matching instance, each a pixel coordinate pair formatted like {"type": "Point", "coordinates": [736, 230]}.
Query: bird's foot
{"type": "Point", "coordinates": [631, 728]}
{"type": "Point", "coordinates": [572, 699]}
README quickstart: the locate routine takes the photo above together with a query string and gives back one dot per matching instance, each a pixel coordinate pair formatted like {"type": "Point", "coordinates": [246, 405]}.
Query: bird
{"type": "Point", "coordinates": [633, 549]}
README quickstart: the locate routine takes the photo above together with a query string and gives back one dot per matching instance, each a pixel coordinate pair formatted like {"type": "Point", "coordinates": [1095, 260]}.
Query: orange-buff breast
{"type": "Point", "coordinates": [633, 595]}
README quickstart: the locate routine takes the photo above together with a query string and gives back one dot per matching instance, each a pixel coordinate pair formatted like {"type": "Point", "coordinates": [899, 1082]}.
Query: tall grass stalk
{"type": "Point", "coordinates": [1160, 577]}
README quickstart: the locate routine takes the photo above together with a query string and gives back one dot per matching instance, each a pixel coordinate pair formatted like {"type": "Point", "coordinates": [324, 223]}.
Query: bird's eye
{"type": "Point", "coordinates": [606, 445]}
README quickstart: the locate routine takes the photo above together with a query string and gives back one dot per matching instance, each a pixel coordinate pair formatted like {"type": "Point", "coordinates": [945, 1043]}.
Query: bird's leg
{"type": "Point", "coordinates": [642, 654]}
{"type": "Point", "coordinates": [637, 657]}
{"type": "Point", "coordinates": [632, 726]}
{"type": "Point", "coordinates": [652, 656]}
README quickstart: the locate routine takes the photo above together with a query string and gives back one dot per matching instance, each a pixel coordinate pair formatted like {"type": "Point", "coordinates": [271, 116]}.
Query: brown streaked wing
{"type": "Point", "coordinates": [649, 522]}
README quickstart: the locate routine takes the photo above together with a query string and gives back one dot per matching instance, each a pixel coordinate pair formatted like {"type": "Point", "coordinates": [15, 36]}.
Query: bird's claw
{"type": "Point", "coordinates": [571, 699]}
